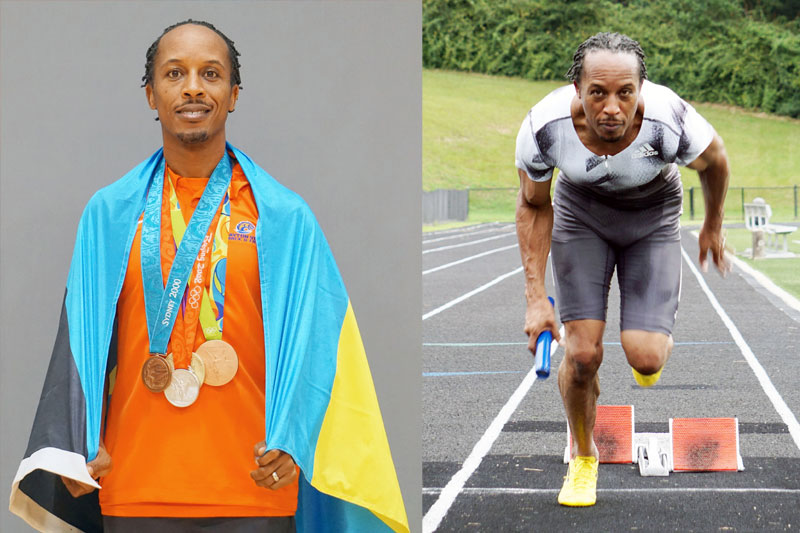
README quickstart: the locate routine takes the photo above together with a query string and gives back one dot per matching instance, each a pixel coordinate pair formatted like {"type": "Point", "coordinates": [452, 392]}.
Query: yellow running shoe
{"type": "Point", "coordinates": [580, 484]}
{"type": "Point", "coordinates": [646, 380]}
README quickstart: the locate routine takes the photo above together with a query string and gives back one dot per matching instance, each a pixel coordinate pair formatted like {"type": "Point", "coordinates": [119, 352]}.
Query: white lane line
{"type": "Point", "coordinates": [464, 229]}
{"type": "Point", "coordinates": [473, 344]}
{"type": "Point", "coordinates": [447, 496]}
{"type": "Point", "coordinates": [482, 344]}
{"type": "Point", "coordinates": [763, 280]}
{"type": "Point", "coordinates": [462, 235]}
{"type": "Point", "coordinates": [470, 258]}
{"type": "Point", "coordinates": [470, 243]}
{"type": "Point", "coordinates": [459, 374]}
{"type": "Point", "coordinates": [763, 378]}
{"type": "Point", "coordinates": [471, 293]}
{"type": "Point", "coordinates": [503, 491]}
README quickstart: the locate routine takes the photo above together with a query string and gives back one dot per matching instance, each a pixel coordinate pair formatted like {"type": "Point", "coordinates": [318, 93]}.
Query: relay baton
{"type": "Point", "coordinates": [541, 361]}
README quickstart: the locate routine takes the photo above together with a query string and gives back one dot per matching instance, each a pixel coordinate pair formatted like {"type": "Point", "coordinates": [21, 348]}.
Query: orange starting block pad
{"type": "Point", "coordinates": [613, 435]}
{"type": "Point", "coordinates": [705, 444]}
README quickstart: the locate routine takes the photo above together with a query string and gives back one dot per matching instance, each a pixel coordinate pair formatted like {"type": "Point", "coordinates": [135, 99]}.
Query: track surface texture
{"type": "Point", "coordinates": [475, 359]}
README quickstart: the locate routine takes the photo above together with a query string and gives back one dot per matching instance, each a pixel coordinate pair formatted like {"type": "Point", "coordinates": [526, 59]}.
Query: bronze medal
{"type": "Point", "coordinates": [183, 388]}
{"type": "Point", "coordinates": [156, 373]}
{"type": "Point", "coordinates": [221, 362]}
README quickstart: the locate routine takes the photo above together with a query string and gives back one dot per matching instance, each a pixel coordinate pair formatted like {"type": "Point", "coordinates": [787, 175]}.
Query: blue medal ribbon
{"type": "Point", "coordinates": [162, 304]}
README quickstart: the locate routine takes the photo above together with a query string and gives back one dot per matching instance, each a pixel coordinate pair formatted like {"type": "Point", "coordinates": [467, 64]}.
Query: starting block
{"type": "Point", "coordinates": [653, 453]}
{"type": "Point", "coordinates": [705, 444]}
{"type": "Point", "coordinates": [692, 444]}
{"type": "Point", "coordinates": [613, 435]}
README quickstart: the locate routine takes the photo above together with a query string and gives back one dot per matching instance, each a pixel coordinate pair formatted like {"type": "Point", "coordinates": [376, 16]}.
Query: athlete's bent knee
{"type": "Point", "coordinates": [646, 352]}
{"type": "Point", "coordinates": [585, 360]}
{"type": "Point", "coordinates": [646, 360]}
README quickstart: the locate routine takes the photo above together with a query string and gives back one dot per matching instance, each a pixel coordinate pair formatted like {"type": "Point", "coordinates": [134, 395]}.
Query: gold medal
{"type": "Point", "coordinates": [197, 366]}
{"type": "Point", "coordinates": [156, 373]}
{"type": "Point", "coordinates": [183, 389]}
{"type": "Point", "coordinates": [221, 362]}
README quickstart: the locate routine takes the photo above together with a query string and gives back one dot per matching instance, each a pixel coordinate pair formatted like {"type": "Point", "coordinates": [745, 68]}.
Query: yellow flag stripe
{"type": "Point", "coordinates": [353, 461]}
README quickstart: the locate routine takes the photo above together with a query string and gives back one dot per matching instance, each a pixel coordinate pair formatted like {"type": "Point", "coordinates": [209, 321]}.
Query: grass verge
{"type": "Point", "coordinates": [470, 123]}
{"type": "Point", "coordinates": [782, 271]}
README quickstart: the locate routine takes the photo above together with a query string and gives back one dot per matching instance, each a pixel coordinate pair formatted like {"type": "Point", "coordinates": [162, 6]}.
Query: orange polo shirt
{"type": "Point", "coordinates": [193, 461]}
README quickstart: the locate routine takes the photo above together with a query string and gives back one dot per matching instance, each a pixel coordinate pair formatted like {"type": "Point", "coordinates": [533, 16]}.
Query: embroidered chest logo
{"type": "Point", "coordinates": [644, 150]}
{"type": "Point", "coordinates": [245, 227]}
{"type": "Point", "coordinates": [243, 232]}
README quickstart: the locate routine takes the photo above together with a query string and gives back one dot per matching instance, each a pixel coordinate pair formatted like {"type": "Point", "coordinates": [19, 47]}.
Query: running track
{"type": "Point", "coordinates": [493, 437]}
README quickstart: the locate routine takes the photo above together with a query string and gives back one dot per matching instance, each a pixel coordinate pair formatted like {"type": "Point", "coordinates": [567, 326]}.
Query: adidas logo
{"type": "Point", "coordinates": [644, 150]}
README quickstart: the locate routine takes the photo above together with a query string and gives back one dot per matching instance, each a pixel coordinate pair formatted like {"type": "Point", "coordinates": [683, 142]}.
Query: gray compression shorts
{"type": "Point", "coordinates": [591, 238]}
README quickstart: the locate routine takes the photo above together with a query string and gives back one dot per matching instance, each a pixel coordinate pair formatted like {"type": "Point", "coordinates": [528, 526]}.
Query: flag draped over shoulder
{"type": "Point", "coordinates": [321, 406]}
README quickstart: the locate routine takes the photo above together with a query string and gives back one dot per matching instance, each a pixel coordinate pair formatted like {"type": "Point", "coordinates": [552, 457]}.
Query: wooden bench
{"type": "Point", "coordinates": [756, 218]}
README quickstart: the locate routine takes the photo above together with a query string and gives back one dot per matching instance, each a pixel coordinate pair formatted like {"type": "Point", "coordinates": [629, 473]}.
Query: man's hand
{"type": "Point", "coordinates": [540, 317]}
{"type": "Point", "coordinates": [274, 461]}
{"type": "Point", "coordinates": [713, 240]}
{"type": "Point", "coordinates": [712, 168]}
{"type": "Point", "coordinates": [100, 466]}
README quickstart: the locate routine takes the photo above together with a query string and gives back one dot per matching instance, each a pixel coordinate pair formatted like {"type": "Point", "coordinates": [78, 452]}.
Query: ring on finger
{"type": "Point", "coordinates": [275, 476]}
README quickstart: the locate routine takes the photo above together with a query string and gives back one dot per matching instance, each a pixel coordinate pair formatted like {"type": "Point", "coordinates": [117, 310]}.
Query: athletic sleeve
{"type": "Point", "coordinates": [528, 156]}
{"type": "Point", "coordinates": [696, 135]}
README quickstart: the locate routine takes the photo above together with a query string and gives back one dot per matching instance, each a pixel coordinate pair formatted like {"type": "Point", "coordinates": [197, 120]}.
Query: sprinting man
{"type": "Point", "coordinates": [617, 140]}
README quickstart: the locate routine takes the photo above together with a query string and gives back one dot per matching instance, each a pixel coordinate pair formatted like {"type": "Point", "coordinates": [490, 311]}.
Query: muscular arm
{"type": "Point", "coordinates": [712, 167]}
{"type": "Point", "coordinates": [534, 230]}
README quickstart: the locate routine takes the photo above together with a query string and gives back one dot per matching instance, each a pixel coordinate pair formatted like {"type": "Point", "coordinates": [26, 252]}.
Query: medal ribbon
{"type": "Point", "coordinates": [163, 300]}
{"type": "Point", "coordinates": [186, 323]}
{"type": "Point", "coordinates": [211, 310]}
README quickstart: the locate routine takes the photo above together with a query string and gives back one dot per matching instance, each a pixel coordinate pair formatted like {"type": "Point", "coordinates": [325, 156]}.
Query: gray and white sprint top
{"type": "Point", "coordinates": [672, 133]}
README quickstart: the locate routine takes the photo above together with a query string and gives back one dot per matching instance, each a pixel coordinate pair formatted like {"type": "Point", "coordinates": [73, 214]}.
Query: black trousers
{"type": "Point", "coordinates": [256, 524]}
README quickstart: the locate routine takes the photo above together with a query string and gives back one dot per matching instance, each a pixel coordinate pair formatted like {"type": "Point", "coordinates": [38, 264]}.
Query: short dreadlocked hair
{"type": "Point", "coordinates": [613, 42]}
{"type": "Point", "coordinates": [233, 54]}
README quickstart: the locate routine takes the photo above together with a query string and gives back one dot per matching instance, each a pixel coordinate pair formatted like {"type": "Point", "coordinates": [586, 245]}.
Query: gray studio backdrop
{"type": "Point", "coordinates": [330, 106]}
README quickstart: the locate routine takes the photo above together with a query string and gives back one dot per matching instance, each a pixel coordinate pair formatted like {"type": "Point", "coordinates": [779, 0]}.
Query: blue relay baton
{"type": "Point", "coordinates": [541, 361]}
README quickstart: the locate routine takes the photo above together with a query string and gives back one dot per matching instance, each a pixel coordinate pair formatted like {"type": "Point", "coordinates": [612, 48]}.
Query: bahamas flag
{"type": "Point", "coordinates": [317, 374]}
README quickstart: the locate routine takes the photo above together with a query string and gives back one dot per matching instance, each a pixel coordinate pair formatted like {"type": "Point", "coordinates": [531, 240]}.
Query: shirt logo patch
{"type": "Point", "coordinates": [644, 150]}
{"type": "Point", "coordinates": [245, 227]}
{"type": "Point", "coordinates": [243, 232]}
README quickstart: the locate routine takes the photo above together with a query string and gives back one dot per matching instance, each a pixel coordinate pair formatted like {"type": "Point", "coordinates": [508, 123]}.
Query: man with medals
{"type": "Point", "coordinates": [203, 301]}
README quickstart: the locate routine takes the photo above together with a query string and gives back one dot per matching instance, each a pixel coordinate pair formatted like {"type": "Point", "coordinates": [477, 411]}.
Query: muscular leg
{"type": "Point", "coordinates": [647, 351]}
{"type": "Point", "coordinates": [650, 279]}
{"type": "Point", "coordinates": [579, 383]}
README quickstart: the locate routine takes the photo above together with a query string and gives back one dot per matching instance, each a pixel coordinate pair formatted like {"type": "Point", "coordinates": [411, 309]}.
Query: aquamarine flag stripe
{"type": "Point", "coordinates": [95, 280]}
{"type": "Point", "coordinates": [328, 515]}
{"type": "Point", "coordinates": [302, 330]}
